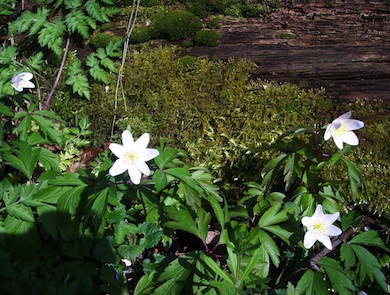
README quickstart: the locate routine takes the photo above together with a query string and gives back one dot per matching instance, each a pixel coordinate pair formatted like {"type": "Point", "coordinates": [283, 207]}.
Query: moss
{"type": "Point", "coordinates": [99, 40]}
{"type": "Point", "coordinates": [207, 38]}
{"type": "Point", "coordinates": [175, 24]}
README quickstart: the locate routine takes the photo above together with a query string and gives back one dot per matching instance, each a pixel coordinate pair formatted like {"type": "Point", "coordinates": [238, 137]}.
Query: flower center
{"type": "Point", "coordinates": [319, 228]}
{"type": "Point", "coordinates": [342, 130]}
{"type": "Point", "coordinates": [132, 157]}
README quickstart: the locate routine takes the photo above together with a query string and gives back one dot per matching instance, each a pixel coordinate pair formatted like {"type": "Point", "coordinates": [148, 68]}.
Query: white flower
{"type": "Point", "coordinates": [132, 156]}
{"type": "Point", "coordinates": [21, 81]}
{"type": "Point", "coordinates": [320, 227]}
{"type": "Point", "coordinates": [341, 130]}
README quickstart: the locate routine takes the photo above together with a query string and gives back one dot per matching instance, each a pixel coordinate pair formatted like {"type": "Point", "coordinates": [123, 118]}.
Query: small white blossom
{"type": "Point", "coordinates": [21, 81]}
{"type": "Point", "coordinates": [341, 130]}
{"type": "Point", "coordinates": [320, 227]}
{"type": "Point", "coordinates": [132, 156]}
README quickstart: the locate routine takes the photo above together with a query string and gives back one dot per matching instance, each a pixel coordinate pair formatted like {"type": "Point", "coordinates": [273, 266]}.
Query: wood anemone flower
{"type": "Point", "coordinates": [21, 81]}
{"type": "Point", "coordinates": [320, 227]}
{"type": "Point", "coordinates": [132, 156]}
{"type": "Point", "coordinates": [341, 130]}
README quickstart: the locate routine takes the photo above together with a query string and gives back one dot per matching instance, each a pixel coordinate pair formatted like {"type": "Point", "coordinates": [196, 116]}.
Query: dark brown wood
{"type": "Point", "coordinates": [343, 46]}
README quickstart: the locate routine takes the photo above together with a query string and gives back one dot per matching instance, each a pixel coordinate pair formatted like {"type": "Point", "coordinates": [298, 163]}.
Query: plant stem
{"type": "Point", "coordinates": [47, 102]}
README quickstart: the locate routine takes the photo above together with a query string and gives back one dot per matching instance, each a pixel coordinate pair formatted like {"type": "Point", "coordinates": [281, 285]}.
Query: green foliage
{"type": "Point", "coordinates": [175, 24]}
{"type": "Point", "coordinates": [140, 35]}
{"type": "Point", "coordinates": [207, 38]}
{"type": "Point", "coordinates": [101, 40]}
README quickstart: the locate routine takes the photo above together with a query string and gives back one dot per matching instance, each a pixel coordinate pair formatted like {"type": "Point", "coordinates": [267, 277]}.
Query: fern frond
{"type": "Point", "coordinates": [77, 22]}
{"type": "Point", "coordinates": [79, 85]}
{"type": "Point", "coordinates": [51, 35]}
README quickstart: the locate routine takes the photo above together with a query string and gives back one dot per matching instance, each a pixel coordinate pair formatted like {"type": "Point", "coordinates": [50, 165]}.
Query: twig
{"type": "Point", "coordinates": [47, 102]}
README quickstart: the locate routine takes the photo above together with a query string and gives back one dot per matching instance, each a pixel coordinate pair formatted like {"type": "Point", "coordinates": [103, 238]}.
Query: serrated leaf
{"type": "Point", "coordinates": [145, 285]}
{"type": "Point", "coordinates": [270, 247]}
{"type": "Point", "coordinates": [36, 61]}
{"type": "Point", "coordinates": [25, 160]}
{"type": "Point", "coordinates": [339, 279]}
{"type": "Point", "coordinates": [273, 216]}
{"type": "Point", "coordinates": [47, 215]}
{"type": "Point", "coordinates": [369, 238]}
{"type": "Point", "coordinates": [21, 212]}
{"type": "Point", "coordinates": [347, 256]}
{"type": "Point", "coordinates": [122, 229]}
{"type": "Point", "coordinates": [312, 283]}
{"type": "Point", "coordinates": [47, 127]}
{"type": "Point", "coordinates": [79, 85]}
{"type": "Point", "coordinates": [152, 234]}
{"type": "Point", "coordinates": [370, 265]}
{"type": "Point", "coordinates": [39, 20]}
{"type": "Point", "coordinates": [77, 22]}
{"type": "Point", "coordinates": [51, 35]}
{"type": "Point", "coordinates": [99, 74]}
{"type": "Point", "coordinates": [48, 159]}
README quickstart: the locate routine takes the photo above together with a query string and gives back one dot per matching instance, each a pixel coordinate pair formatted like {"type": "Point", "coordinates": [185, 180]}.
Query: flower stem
{"type": "Point", "coordinates": [47, 102]}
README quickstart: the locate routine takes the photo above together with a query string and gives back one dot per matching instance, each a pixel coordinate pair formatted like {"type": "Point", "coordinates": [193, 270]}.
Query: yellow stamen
{"type": "Point", "coordinates": [342, 130]}
{"type": "Point", "coordinates": [132, 157]}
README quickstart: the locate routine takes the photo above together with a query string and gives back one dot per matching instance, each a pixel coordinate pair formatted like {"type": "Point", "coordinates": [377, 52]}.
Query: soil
{"type": "Point", "coordinates": [343, 46]}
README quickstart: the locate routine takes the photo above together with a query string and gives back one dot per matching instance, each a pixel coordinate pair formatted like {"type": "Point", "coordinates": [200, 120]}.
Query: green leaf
{"type": "Point", "coordinates": [130, 252]}
{"type": "Point", "coordinates": [122, 229]}
{"type": "Point", "coordinates": [47, 128]}
{"type": "Point", "coordinates": [36, 61]}
{"type": "Point", "coordinates": [160, 180]}
{"type": "Point", "coordinates": [183, 220]}
{"type": "Point", "coordinates": [355, 178]}
{"type": "Point", "coordinates": [25, 160]}
{"type": "Point", "coordinates": [369, 238]}
{"type": "Point", "coordinates": [99, 207]}
{"type": "Point", "coordinates": [69, 200]}
{"type": "Point", "coordinates": [51, 35]}
{"type": "Point", "coordinates": [208, 261]}
{"type": "Point", "coordinates": [79, 85]}
{"type": "Point", "coordinates": [48, 159]}
{"type": "Point", "coordinates": [370, 265]}
{"type": "Point", "coordinates": [152, 234]}
{"type": "Point", "coordinates": [340, 280]}
{"type": "Point", "coordinates": [77, 22]}
{"type": "Point", "coordinates": [270, 247]}
{"type": "Point", "coordinates": [145, 285]}
{"type": "Point", "coordinates": [21, 212]}
{"type": "Point", "coordinates": [47, 214]}
{"type": "Point", "coordinates": [347, 256]}
{"type": "Point", "coordinates": [273, 216]}
{"type": "Point", "coordinates": [312, 283]}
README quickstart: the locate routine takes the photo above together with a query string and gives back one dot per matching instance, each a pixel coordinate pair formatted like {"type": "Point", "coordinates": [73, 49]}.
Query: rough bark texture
{"type": "Point", "coordinates": [343, 46]}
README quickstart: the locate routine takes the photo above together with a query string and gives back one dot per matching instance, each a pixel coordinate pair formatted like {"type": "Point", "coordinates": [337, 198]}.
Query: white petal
{"type": "Point", "coordinates": [117, 149]}
{"type": "Point", "coordinates": [149, 154]}
{"type": "Point", "coordinates": [25, 76]}
{"type": "Point", "coordinates": [330, 218]}
{"type": "Point", "coordinates": [135, 174]}
{"type": "Point", "coordinates": [328, 132]}
{"type": "Point", "coordinates": [306, 221]}
{"type": "Point", "coordinates": [352, 124]}
{"type": "Point", "coordinates": [324, 239]}
{"type": "Point", "coordinates": [333, 231]}
{"type": "Point", "coordinates": [338, 140]}
{"type": "Point", "coordinates": [26, 84]}
{"type": "Point", "coordinates": [17, 88]}
{"type": "Point", "coordinates": [127, 139]}
{"type": "Point", "coordinates": [142, 142]}
{"type": "Point", "coordinates": [309, 240]}
{"type": "Point", "coordinates": [141, 166]}
{"type": "Point", "coordinates": [118, 168]}
{"type": "Point", "coordinates": [345, 116]}
{"type": "Point", "coordinates": [351, 138]}
{"type": "Point", "coordinates": [318, 213]}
